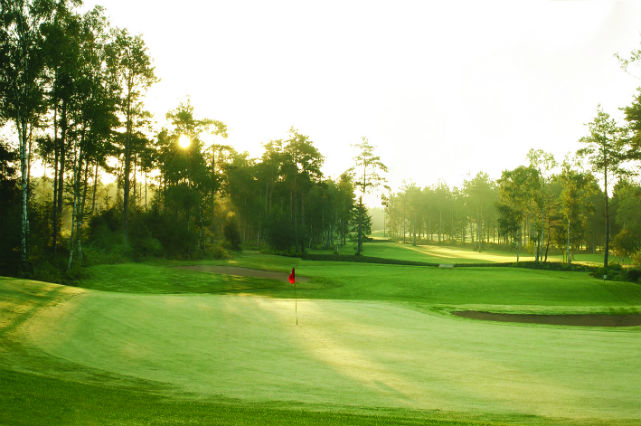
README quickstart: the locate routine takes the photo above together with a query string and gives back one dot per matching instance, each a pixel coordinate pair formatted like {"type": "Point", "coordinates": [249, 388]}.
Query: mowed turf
{"type": "Point", "coordinates": [374, 344]}
{"type": "Point", "coordinates": [453, 254]}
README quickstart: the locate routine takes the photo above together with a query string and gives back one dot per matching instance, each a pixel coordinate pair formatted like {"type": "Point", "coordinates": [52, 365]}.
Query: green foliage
{"type": "Point", "coordinates": [616, 272]}
{"type": "Point", "coordinates": [280, 235]}
{"type": "Point", "coordinates": [150, 236]}
{"type": "Point", "coordinates": [175, 236]}
{"type": "Point", "coordinates": [368, 174]}
{"type": "Point", "coordinates": [232, 233]}
{"type": "Point", "coordinates": [626, 204]}
{"type": "Point", "coordinates": [625, 243]}
{"type": "Point", "coordinates": [9, 212]}
{"type": "Point", "coordinates": [361, 225]}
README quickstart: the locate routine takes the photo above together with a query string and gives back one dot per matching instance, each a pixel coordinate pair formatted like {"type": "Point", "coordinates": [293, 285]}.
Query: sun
{"type": "Point", "coordinates": [184, 141]}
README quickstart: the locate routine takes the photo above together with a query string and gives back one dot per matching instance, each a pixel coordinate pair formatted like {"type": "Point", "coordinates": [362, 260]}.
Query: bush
{"type": "Point", "coordinates": [634, 275]}
{"type": "Point", "coordinates": [617, 272]}
{"type": "Point", "coordinates": [217, 251]}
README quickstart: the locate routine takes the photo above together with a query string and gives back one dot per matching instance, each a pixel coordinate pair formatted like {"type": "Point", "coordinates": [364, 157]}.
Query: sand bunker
{"type": "Point", "coordinates": [592, 320]}
{"type": "Point", "coordinates": [245, 272]}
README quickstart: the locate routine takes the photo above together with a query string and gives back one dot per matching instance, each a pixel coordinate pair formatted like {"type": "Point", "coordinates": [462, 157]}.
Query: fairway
{"type": "Point", "coordinates": [371, 339]}
{"type": "Point", "coordinates": [455, 254]}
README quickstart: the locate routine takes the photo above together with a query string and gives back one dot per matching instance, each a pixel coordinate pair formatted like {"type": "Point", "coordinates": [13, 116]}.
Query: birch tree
{"type": "Point", "coordinates": [22, 80]}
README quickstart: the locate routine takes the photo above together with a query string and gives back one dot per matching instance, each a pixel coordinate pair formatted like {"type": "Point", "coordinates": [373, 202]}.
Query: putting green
{"type": "Point", "coordinates": [363, 354]}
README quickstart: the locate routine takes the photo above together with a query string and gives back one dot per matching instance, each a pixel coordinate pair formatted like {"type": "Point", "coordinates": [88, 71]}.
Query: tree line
{"type": "Point", "coordinates": [72, 88]}
{"type": "Point", "coordinates": [541, 205]}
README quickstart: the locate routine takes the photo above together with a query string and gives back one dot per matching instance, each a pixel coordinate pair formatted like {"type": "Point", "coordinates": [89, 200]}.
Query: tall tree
{"type": "Point", "coordinates": [92, 109]}
{"type": "Point", "coordinates": [368, 171]}
{"type": "Point", "coordinates": [575, 204]}
{"type": "Point", "coordinates": [189, 181]}
{"type": "Point", "coordinates": [633, 111]}
{"type": "Point", "coordinates": [605, 154]}
{"type": "Point", "coordinates": [301, 168]}
{"type": "Point", "coordinates": [633, 117]}
{"type": "Point", "coordinates": [627, 206]}
{"type": "Point", "coordinates": [130, 60]}
{"type": "Point", "coordinates": [481, 196]}
{"type": "Point", "coordinates": [62, 57]}
{"type": "Point", "coordinates": [21, 82]}
{"type": "Point", "coordinates": [517, 198]}
{"type": "Point", "coordinates": [543, 163]}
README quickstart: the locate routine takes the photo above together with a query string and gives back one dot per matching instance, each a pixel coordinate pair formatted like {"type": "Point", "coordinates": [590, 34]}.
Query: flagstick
{"type": "Point", "coordinates": [296, 305]}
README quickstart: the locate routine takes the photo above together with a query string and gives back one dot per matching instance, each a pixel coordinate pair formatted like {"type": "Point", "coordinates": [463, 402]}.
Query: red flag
{"type": "Point", "coordinates": [292, 277]}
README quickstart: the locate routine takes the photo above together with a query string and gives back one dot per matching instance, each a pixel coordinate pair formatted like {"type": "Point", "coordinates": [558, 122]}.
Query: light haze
{"type": "Point", "coordinates": [443, 89]}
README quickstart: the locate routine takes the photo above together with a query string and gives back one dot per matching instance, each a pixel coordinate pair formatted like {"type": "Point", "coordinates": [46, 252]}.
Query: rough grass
{"type": "Point", "coordinates": [156, 344]}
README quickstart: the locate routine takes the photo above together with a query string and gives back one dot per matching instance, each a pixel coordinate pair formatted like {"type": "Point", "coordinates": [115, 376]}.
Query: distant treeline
{"type": "Point", "coordinates": [527, 209]}
{"type": "Point", "coordinates": [72, 89]}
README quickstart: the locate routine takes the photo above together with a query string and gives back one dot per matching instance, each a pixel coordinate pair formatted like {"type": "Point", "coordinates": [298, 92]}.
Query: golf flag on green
{"type": "Point", "coordinates": [292, 277]}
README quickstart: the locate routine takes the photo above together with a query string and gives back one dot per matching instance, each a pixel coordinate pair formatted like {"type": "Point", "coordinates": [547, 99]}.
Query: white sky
{"type": "Point", "coordinates": [444, 89]}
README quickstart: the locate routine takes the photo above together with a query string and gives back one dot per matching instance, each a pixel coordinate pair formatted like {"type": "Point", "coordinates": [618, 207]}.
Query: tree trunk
{"type": "Point", "coordinates": [569, 259]}
{"type": "Point", "coordinates": [146, 191]}
{"type": "Point", "coordinates": [125, 204]}
{"type": "Point", "coordinates": [478, 231]}
{"type": "Point", "coordinates": [302, 224]}
{"type": "Point", "coordinates": [607, 221]}
{"type": "Point", "coordinates": [21, 124]}
{"type": "Point", "coordinates": [127, 164]}
{"type": "Point", "coordinates": [403, 220]}
{"type": "Point", "coordinates": [74, 206]}
{"type": "Point", "coordinates": [81, 214]}
{"type": "Point", "coordinates": [360, 227]}
{"type": "Point", "coordinates": [56, 150]}
{"type": "Point", "coordinates": [61, 175]}
{"type": "Point", "coordinates": [133, 174]}
{"type": "Point", "coordinates": [414, 230]}
{"type": "Point", "coordinates": [30, 139]}
{"type": "Point", "coordinates": [518, 242]}
{"type": "Point", "coordinates": [93, 195]}
{"type": "Point", "coordinates": [451, 226]}
{"type": "Point", "coordinates": [295, 219]}
{"type": "Point", "coordinates": [547, 247]}
{"type": "Point", "coordinates": [538, 243]}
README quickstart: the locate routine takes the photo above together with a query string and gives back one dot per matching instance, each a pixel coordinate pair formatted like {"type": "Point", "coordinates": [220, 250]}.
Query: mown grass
{"type": "Point", "coordinates": [29, 399]}
{"type": "Point", "coordinates": [456, 254]}
{"type": "Point", "coordinates": [375, 345]}
{"type": "Point", "coordinates": [512, 287]}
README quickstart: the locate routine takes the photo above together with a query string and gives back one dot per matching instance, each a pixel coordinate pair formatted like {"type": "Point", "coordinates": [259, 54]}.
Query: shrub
{"type": "Point", "coordinates": [617, 273]}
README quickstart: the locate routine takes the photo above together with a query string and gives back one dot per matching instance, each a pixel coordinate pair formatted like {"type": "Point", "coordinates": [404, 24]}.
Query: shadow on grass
{"type": "Point", "coordinates": [43, 301]}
